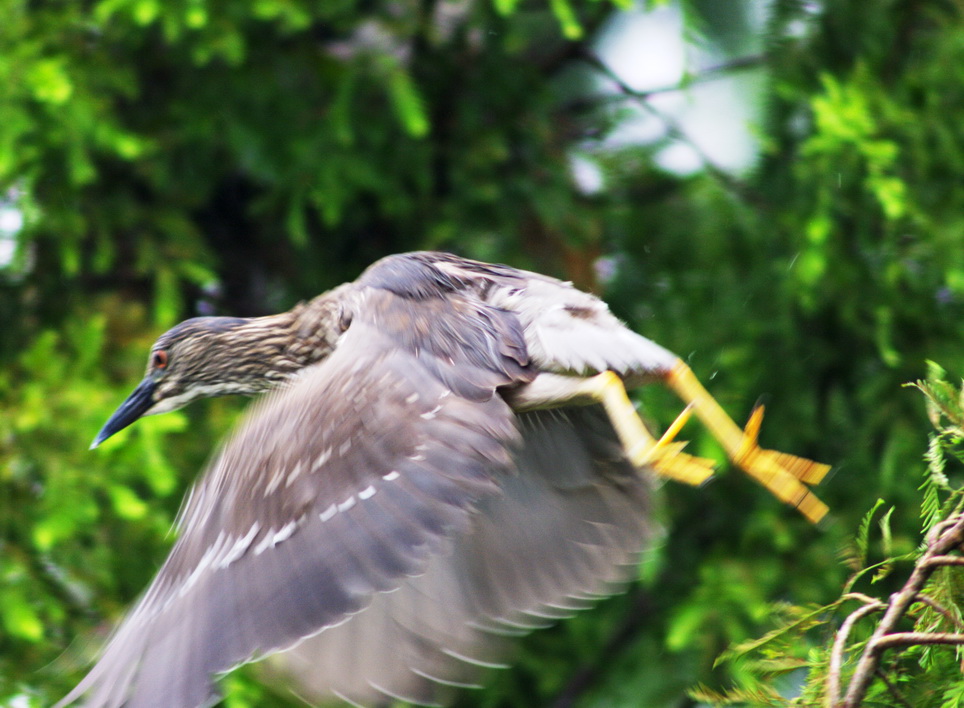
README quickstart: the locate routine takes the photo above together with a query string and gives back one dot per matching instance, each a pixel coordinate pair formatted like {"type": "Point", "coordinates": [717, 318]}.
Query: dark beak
{"type": "Point", "coordinates": [136, 405]}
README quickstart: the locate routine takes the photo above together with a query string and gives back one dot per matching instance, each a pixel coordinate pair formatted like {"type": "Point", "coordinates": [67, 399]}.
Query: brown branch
{"type": "Point", "coordinates": [866, 599]}
{"type": "Point", "coordinates": [910, 639]}
{"type": "Point", "coordinates": [941, 610]}
{"type": "Point", "coordinates": [640, 612]}
{"type": "Point", "coordinates": [840, 643]}
{"type": "Point", "coordinates": [892, 688]}
{"type": "Point", "coordinates": [944, 537]}
{"type": "Point", "coordinates": [937, 561]}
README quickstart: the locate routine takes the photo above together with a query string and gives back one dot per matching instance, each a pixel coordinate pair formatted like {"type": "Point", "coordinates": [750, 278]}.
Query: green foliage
{"type": "Point", "coordinates": [193, 156]}
{"type": "Point", "coordinates": [918, 674]}
{"type": "Point", "coordinates": [66, 512]}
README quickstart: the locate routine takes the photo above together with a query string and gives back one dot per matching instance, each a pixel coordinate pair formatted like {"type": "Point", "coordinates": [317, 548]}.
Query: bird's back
{"type": "Point", "coordinates": [566, 330]}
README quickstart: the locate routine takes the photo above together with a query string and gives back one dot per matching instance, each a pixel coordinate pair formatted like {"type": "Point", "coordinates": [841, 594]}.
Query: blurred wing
{"type": "Point", "coordinates": [566, 330]}
{"type": "Point", "coordinates": [335, 489]}
{"type": "Point", "coordinates": [568, 529]}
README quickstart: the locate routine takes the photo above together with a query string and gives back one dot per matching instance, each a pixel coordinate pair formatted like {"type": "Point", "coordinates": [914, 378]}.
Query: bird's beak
{"type": "Point", "coordinates": [136, 405]}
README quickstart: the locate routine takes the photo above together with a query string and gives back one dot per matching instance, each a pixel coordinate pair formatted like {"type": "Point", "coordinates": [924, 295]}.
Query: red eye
{"type": "Point", "coordinates": [159, 359]}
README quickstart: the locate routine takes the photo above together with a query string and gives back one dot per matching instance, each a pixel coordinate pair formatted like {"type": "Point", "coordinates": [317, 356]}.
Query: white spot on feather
{"type": "Point", "coordinates": [328, 513]}
{"type": "Point", "coordinates": [294, 474]}
{"type": "Point", "coordinates": [273, 539]}
{"type": "Point", "coordinates": [213, 551]}
{"type": "Point", "coordinates": [347, 504]}
{"type": "Point", "coordinates": [285, 532]}
{"type": "Point", "coordinates": [367, 493]}
{"type": "Point", "coordinates": [431, 413]}
{"type": "Point", "coordinates": [263, 546]}
{"type": "Point", "coordinates": [391, 476]}
{"type": "Point", "coordinates": [323, 457]}
{"type": "Point", "coordinates": [274, 482]}
{"type": "Point", "coordinates": [240, 546]}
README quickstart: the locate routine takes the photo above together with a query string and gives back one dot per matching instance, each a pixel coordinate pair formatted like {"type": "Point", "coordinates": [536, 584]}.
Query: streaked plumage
{"type": "Point", "coordinates": [426, 476]}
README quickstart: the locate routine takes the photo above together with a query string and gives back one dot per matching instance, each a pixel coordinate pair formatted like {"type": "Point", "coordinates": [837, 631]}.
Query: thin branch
{"type": "Point", "coordinates": [944, 537]}
{"type": "Point", "coordinates": [936, 561]}
{"type": "Point", "coordinates": [866, 599]}
{"type": "Point", "coordinates": [639, 613]}
{"type": "Point", "coordinates": [909, 639]}
{"type": "Point", "coordinates": [710, 73]}
{"type": "Point", "coordinates": [941, 528]}
{"type": "Point", "coordinates": [892, 688]}
{"type": "Point", "coordinates": [840, 643]}
{"type": "Point", "coordinates": [941, 610]}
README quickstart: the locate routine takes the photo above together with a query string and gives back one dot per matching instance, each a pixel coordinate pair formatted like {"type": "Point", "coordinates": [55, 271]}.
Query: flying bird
{"type": "Point", "coordinates": [445, 455]}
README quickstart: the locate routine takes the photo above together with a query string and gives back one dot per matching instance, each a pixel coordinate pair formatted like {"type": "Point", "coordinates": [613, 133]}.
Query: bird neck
{"type": "Point", "coordinates": [282, 345]}
{"type": "Point", "coordinates": [315, 327]}
{"type": "Point", "coordinates": [267, 351]}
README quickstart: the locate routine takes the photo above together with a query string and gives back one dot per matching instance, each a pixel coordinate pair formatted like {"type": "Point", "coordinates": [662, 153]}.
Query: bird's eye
{"type": "Point", "coordinates": [159, 359]}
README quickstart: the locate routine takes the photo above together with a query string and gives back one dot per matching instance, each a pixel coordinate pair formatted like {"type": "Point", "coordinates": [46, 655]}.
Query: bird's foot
{"type": "Point", "coordinates": [805, 470]}
{"type": "Point", "coordinates": [668, 461]}
{"type": "Point", "coordinates": [781, 473]}
{"type": "Point", "coordinates": [667, 458]}
{"type": "Point", "coordinates": [641, 448]}
{"type": "Point", "coordinates": [786, 476]}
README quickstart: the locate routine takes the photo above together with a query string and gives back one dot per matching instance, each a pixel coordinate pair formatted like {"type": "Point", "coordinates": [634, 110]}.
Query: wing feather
{"type": "Point", "coordinates": [392, 463]}
{"type": "Point", "coordinates": [566, 330]}
{"type": "Point", "coordinates": [568, 529]}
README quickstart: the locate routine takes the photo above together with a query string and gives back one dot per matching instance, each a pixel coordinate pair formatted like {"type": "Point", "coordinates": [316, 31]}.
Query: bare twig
{"type": "Point", "coordinates": [710, 73]}
{"type": "Point", "coordinates": [840, 643]}
{"type": "Point", "coordinates": [640, 612]}
{"type": "Point", "coordinates": [936, 561]}
{"type": "Point", "coordinates": [944, 537]}
{"type": "Point", "coordinates": [941, 610]}
{"type": "Point", "coordinates": [892, 688]}
{"type": "Point", "coordinates": [910, 639]}
{"type": "Point", "coordinates": [866, 599]}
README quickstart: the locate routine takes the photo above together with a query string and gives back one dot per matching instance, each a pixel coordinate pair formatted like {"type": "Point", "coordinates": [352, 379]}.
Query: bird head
{"type": "Point", "coordinates": [205, 357]}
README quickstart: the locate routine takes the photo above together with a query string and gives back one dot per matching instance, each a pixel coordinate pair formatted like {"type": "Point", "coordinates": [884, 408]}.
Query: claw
{"type": "Point", "coordinates": [764, 466]}
{"type": "Point", "coordinates": [779, 472]}
{"type": "Point", "coordinates": [677, 425]}
{"type": "Point", "coordinates": [805, 470]}
{"type": "Point", "coordinates": [751, 432]}
{"type": "Point", "coordinates": [667, 458]}
{"type": "Point", "coordinates": [669, 461]}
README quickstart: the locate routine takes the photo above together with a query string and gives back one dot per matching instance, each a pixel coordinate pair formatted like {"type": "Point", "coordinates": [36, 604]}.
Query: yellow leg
{"type": "Point", "coordinates": [641, 448]}
{"type": "Point", "coordinates": [779, 472]}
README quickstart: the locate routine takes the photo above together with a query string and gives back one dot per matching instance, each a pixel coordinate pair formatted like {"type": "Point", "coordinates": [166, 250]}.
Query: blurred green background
{"type": "Point", "coordinates": [772, 189]}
